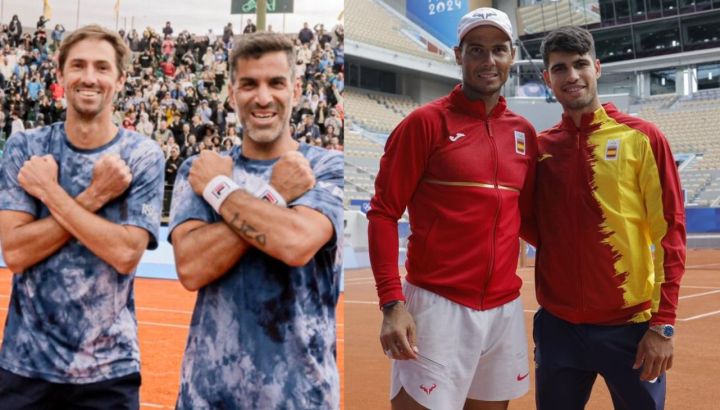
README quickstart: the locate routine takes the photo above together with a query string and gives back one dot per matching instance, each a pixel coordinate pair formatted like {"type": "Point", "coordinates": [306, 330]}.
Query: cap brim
{"type": "Point", "coordinates": [484, 23]}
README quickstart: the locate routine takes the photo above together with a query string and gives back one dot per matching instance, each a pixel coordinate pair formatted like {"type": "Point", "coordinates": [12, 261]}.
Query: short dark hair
{"type": "Point", "coordinates": [568, 39]}
{"type": "Point", "coordinates": [96, 32]}
{"type": "Point", "coordinates": [255, 45]}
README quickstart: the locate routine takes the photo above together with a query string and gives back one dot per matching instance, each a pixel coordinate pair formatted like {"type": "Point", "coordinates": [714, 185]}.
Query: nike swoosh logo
{"type": "Point", "coordinates": [454, 138]}
{"type": "Point", "coordinates": [543, 157]}
{"type": "Point", "coordinates": [520, 378]}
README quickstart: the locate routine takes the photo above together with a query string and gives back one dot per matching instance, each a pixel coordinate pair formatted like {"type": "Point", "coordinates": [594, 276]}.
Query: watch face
{"type": "Point", "coordinates": [668, 331]}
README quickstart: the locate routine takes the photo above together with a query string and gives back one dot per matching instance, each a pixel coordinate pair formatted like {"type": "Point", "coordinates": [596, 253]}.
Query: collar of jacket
{"type": "Point", "coordinates": [475, 108]}
{"type": "Point", "coordinates": [592, 120]}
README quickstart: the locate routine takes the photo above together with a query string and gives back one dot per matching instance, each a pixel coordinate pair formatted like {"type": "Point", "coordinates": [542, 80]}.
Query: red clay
{"type": "Point", "coordinates": [691, 382]}
{"type": "Point", "coordinates": [164, 309]}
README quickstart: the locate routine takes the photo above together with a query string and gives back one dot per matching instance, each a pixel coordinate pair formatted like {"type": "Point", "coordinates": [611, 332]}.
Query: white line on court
{"type": "Point", "coordinates": [698, 287]}
{"type": "Point", "coordinates": [700, 294]}
{"type": "Point", "coordinates": [707, 265]}
{"type": "Point", "coordinates": [164, 310]}
{"type": "Point", "coordinates": [162, 324]}
{"type": "Point", "coordinates": [155, 406]}
{"type": "Point", "coordinates": [687, 319]}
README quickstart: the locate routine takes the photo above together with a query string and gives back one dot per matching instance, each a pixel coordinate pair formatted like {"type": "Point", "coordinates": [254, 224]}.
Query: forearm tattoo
{"type": "Point", "coordinates": [248, 231]}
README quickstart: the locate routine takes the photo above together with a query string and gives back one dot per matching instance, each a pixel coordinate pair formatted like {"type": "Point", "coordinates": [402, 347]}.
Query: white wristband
{"type": "Point", "coordinates": [260, 189]}
{"type": "Point", "coordinates": [217, 191]}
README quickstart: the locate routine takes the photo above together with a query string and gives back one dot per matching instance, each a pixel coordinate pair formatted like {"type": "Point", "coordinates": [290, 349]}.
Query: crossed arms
{"type": "Point", "coordinates": [291, 235]}
{"type": "Point", "coordinates": [27, 240]}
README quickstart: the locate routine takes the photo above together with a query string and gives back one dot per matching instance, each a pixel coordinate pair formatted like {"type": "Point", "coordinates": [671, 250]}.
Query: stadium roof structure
{"type": "Point", "coordinates": [376, 32]}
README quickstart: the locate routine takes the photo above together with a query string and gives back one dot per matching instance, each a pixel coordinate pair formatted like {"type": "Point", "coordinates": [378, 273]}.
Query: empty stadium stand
{"type": "Point", "coordinates": [692, 125]}
{"type": "Point", "coordinates": [369, 22]}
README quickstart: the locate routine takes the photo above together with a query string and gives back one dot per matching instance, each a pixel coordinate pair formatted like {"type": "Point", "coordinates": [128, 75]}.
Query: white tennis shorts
{"type": "Point", "coordinates": [464, 353]}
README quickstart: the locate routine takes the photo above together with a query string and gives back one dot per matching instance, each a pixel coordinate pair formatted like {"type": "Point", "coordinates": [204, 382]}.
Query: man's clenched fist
{"type": "Point", "coordinates": [292, 175]}
{"type": "Point", "coordinates": [111, 177]}
{"type": "Point", "coordinates": [207, 166]}
{"type": "Point", "coordinates": [37, 174]}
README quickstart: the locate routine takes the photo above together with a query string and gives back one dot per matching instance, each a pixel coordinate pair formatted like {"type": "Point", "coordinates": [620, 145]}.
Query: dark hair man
{"type": "Point", "coordinates": [269, 219]}
{"type": "Point", "coordinates": [464, 166]}
{"type": "Point", "coordinates": [611, 242]}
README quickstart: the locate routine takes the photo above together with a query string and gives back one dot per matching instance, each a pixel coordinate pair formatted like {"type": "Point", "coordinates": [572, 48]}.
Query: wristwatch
{"type": "Point", "coordinates": [389, 305]}
{"type": "Point", "coordinates": [666, 331]}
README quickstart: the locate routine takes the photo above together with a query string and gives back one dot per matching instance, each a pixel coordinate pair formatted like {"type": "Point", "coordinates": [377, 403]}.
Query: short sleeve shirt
{"type": "Point", "coordinates": [71, 317]}
{"type": "Point", "coordinates": [263, 335]}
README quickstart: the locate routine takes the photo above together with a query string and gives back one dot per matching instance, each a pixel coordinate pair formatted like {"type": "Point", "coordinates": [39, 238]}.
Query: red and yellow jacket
{"type": "Point", "coordinates": [465, 177]}
{"type": "Point", "coordinates": [611, 222]}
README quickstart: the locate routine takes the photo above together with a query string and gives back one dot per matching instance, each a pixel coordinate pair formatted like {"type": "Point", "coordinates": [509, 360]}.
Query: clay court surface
{"type": "Point", "coordinates": [164, 309]}
{"type": "Point", "coordinates": [692, 382]}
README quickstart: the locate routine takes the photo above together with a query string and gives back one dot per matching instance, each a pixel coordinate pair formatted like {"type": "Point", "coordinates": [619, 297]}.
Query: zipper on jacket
{"type": "Point", "coordinates": [497, 213]}
{"type": "Point", "coordinates": [581, 175]}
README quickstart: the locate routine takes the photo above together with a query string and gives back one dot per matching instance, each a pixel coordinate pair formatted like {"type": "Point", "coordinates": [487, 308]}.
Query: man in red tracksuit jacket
{"type": "Point", "coordinates": [611, 242]}
{"type": "Point", "coordinates": [463, 165]}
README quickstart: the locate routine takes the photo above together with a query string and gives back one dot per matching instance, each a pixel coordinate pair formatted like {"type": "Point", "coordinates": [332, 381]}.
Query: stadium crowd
{"type": "Point", "coordinates": [176, 90]}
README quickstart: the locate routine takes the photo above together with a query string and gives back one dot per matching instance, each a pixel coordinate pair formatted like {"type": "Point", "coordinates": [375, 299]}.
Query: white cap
{"type": "Point", "coordinates": [485, 16]}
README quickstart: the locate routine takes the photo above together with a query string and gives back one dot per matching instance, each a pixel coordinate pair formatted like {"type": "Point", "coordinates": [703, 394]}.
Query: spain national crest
{"type": "Point", "coordinates": [612, 149]}
{"type": "Point", "coordinates": [520, 142]}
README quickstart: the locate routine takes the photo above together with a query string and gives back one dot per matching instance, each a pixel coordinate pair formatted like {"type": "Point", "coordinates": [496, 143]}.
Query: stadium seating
{"type": "Point", "coordinates": [691, 125]}
{"type": "Point", "coordinates": [368, 22]}
{"type": "Point", "coordinates": [549, 15]}
{"type": "Point", "coordinates": [377, 112]}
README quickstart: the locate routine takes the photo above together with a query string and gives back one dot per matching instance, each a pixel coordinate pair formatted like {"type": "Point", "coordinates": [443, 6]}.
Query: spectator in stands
{"type": "Point", "coordinates": [16, 123]}
{"type": "Point", "coordinates": [167, 30]}
{"type": "Point", "coordinates": [162, 133]}
{"type": "Point", "coordinates": [145, 126]}
{"type": "Point", "coordinates": [204, 112]}
{"type": "Point", "coordinates": [57, 35]}
{"type": "Point", "coordinates": [172, 165]}
{"type": "Point", "coordinates": [339, 63]}
{"type": "Point", "coordinates": [334, 120]}
{"type": "Point", "coordinates": [228, 34]}
{"type": "Point", "coordinates": [616, 174]}
{"type": "Point", "coordinates": [165, 84]}
{"type": "Point", "coordinates": [249, 27]}
{"type": "Point", "coordinates": [428, 162]}
{"type": "Point", "coordinates": [170, 146]}
{"type": "Point", "coordinates": [335, 144]}
{"type": "Point", "coordinates": [15, 31]}
{"type": "Point", "coordinates": [308, 126]}
{"type": "Point", "coordinates": [323, 37]}
{"type": "Point", "coordinates": [168, 47]}
{"type": "Point", "coordinates": [78, 347]}
{"type": "Point", "coordinates": [306, 35]}
{"type": "Point", "coordinates": [247, 240]}
{"type": "Point", "coordinates": [339, 34]}
{"type": "Point", "coordinates": [41, 22]}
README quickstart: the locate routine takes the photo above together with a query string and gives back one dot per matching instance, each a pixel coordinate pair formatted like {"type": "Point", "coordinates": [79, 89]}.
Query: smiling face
{"type": "Point", "coordinates": [91, 79]}
{"type": "Point", "coordinates": [263, 93]}
{"type": "Point", "coordinates": [486, 56]}
{"type": "Point", "coordinates": [573, 79]}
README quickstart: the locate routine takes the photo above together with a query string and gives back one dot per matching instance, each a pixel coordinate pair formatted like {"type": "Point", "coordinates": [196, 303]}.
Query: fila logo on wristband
{"type": "Point", "coordinates": [217, 191]}
{"type": "Point", "coordinates": [268, 196]}
{"type": "Point", "coordinates": [257, 187]}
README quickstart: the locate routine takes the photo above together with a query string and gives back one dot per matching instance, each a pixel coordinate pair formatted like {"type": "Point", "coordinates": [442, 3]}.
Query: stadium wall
{"type": "Point", "coordinates": [425, 89]}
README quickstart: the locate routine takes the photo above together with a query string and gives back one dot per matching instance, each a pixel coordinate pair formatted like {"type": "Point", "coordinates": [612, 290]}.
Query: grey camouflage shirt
{"type": "Point", "coordinates": [263, 335]}
{"type": "Point", "coordinates": [71, 317]}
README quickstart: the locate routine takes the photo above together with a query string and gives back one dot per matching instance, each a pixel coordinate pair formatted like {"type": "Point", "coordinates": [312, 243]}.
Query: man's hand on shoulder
{"type": "Point", "coordinates": [205, 167]}
{"type": "Point", "coordinates": [292, 175]}
{"type": "Point", "coordinates": [38, 173]}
